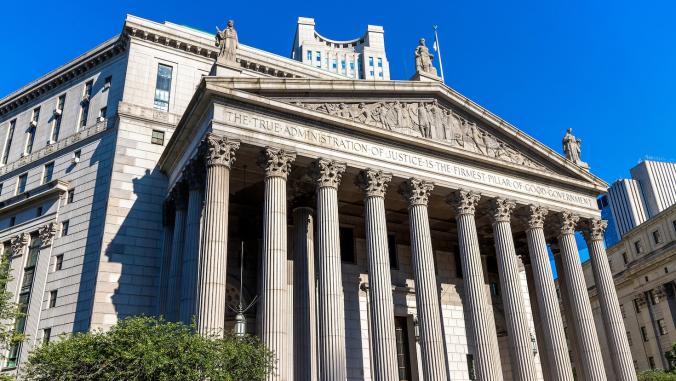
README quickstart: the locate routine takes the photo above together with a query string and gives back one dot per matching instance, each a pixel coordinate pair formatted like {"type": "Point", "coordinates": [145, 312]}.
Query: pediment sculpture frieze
{"type": "Point", "coordinates": [426, 120]}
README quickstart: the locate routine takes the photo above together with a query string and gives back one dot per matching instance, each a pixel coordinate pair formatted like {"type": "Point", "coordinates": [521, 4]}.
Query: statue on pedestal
{"type": "Point", "coordinates": [571, 146]}
{"type": "Point", "coordinates": [227, 41]}
{"type": "Point", "coordinates": [423, 60]}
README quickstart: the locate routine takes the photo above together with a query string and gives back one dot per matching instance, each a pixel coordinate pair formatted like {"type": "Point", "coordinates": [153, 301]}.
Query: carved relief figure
{"type": "Point", "coordinates": [228, 42]}
{"type": "Point", "coordinates": [424, 121]}
{"type": "Point", "coordinates": [423, 59]}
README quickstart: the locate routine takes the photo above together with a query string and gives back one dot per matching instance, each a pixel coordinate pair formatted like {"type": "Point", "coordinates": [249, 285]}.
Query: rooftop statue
{"type": "Point", "coordinates": [423, 59]}
{"type": "Point", "coordinates": [227, 41]}
{"type": "Point", "coordinates": [571, 146]}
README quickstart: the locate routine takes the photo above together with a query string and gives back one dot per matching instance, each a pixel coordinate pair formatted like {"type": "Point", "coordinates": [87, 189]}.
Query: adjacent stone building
{"type": "Point", "coordinates": [392, 230]}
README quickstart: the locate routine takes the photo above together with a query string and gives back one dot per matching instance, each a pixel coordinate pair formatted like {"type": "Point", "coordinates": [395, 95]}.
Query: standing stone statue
{"type": "Point", "coordinates": [423, 60]}
{"type": "Point", "coordinates": [571, 146]}
{"type": "Point", "coordinates": [227, 41]}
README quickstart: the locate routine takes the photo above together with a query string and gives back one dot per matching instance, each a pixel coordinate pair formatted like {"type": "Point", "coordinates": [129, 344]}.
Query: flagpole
{"type": "Point", "coordinates": [441, 65]}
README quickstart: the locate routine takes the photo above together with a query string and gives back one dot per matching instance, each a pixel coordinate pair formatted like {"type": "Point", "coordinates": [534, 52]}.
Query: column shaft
{"type": "Point", "coordinates": [304, 314]}
{"type": "Point", "coordinates": [214, 247]}
{"type": "Point", "coordinates": [554, 337]}
{"type": "Point", "coordinates": [426, 293]}
{"type": "Point", "coordinates": [167, 241]}
{"type": "Point", "coordinates": [177, 244]}
{"type": "Point", "coordinates": [589, 350]}
{"type": "Point", "coordinates": [521, 351]}
{"type": "Point", "coordinates": [620, 353]}
{"type": "Point", "coordinates": [190, 267]}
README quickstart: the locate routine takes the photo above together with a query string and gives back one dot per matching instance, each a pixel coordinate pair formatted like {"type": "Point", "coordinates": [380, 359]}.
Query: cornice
{"type": "Point", "coordinates": [80, 65]}
{"type": "Point", "coordinates": [54, 187]}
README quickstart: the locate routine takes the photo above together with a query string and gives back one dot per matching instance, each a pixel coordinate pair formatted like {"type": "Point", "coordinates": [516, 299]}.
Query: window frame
{"type": "Point", "coordinates": [158, 81]}
{"type": "Point", "coordinates": [21, 188]}
{"type": "Point", "coordinates": [48, 172]}
{"type": "Point", "coordinates": [155, 139]}
{"type": "Point", "coordinates": [8, 141]}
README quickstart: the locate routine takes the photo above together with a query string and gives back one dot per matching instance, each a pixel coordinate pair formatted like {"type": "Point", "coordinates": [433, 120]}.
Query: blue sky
{"type": "Point", "coordinates": [606, 69]}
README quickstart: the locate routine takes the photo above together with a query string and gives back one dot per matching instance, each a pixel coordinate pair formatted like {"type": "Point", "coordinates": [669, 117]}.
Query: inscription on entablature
{"type": "Point", "coordinates": [393, 155]}
{"type": "Point", "coordinates": [427, 120]}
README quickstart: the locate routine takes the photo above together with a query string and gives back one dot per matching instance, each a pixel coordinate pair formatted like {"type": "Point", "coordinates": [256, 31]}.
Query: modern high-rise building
{"type": "Point", "coordinates": [391, 229]}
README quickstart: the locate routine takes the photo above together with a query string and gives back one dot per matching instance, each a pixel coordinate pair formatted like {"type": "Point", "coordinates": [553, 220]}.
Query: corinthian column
{"type": "Point", "coordinates": [177, 244]}
{"type": "Point", "coordinates": [374, 184]}
{"type": "Point", "coordinates": [304, 314]}
{"type": "Point", "coordinates": [332, 357]}
{"type": "Point", "coordinates": [194, 177]}
{"type": "Point", "coordinates": [520, 346]}
{"type": "Point", "coordinates": [554, 336]}
{"type": "Point", "coordinates": [482, 325]}
{"type": "Point", "coordinates": [620, 353]}
{"type": "Point", "coordinates": [580, 307]}
{"type": "Point", "coordinates": [277, 165]}
{"type": "Point", "coordinates": [219, 154]}
{"type": "Point", "coordinates": [417, 192]}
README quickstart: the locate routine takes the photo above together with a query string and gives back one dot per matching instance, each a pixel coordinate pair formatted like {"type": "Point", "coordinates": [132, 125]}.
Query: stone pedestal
{"type": "Point", "coordinates": [416, 192]}
{"type": "Point", "coordinates": [219, 154]}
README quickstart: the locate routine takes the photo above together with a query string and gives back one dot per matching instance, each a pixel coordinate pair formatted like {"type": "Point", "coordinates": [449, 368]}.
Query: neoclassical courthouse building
{"type": "Point", "coordinates": [390, 229]}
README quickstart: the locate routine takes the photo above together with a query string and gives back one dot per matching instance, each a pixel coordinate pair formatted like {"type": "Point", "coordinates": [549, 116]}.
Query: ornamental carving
{"type": "Point", "coordinates": [18, 243]}
{"type": "Point", "coordinates": [568, 222]}
{"type": "Point", "coordinates": [276, 162]}
{"type": "Point", "coordinates": [594, 229]}
{"type": "Point", "coordinates": [464, 201]}
{"type": "Point", "coordinates": [373, 182]}
{"type": "Point", "coordinates": [193, 174]}
{"type": "Point", "coordinates": [501, 210]}
{"type": "Point", "coordinates": [327, 173]}
{"type": "Point", "coordinates": [536, 216]}
{"type": "Point", "coordinates": [47, 233]}
{"type": "Point", "coordinates": [219, 150]}
{"type": "Point", "coordinates": [427, 120]}
{"type": "Point", "coordinates": [416, 191]}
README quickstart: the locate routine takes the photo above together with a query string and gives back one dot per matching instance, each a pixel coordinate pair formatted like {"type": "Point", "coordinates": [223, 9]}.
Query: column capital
{"type": "Point", "coordinates": [464, 201]}
{"type": "Point", "coordinates": [219, 150]}
{"type": "Point", "coordinates": [594, 229]}
{"type": "Point", "coordinates": [501, 210]}
{"type": "Point", "coordinates": [416, 191]}
{"type": "Point", "coordinates": [568, 222]}
{"type": "Point", "coordinates": [536, 216]}
{"type": "Point", "coordinates": [373, 182]}
{"type": "Point", "coordinates": [193, 174]}
{"type": "Point", "coordinates": [276, 162]}
{"type": "Point", "coordinates": [327, 173]}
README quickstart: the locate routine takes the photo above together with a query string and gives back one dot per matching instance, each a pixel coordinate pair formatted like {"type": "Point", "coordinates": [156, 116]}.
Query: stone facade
{"type": "Point", "coordinates": [390, 230]}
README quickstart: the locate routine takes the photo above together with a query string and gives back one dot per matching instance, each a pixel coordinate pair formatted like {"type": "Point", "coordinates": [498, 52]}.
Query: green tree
{"type": "Point", "coordinates": [146, 348]}
{"type": "Point", "coordinates": [660, 374]}
{"type": "Point", "coordinates": [8, 312]}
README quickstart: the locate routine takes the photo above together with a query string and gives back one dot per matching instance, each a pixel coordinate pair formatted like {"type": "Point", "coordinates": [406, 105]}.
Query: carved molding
{"type": "Point", "coordinates": [427, 120]}
{"type": "Point", "coordinates": [219, 150]}
{"type": "Point", "coordinates": [18, 243]}
{"type": "Point", "coordinates": [464, 201]}
{"type": "Point", "coordinates": [47, 233]}
{"type": "Point", "coordinates": [327, 173]}
{"type": "Point", "coordinates": [594, 229]}
{"type": "Point", "coordinates": [536, 216]}
{"type": "Point", "coordinates": [276, 162]}
{"type": "Point", "coordinates": [416, 191]}
{"type": "Point", "coordinates": [568, 222]}
{"type": "Point", "coordinates": [373, 182]}
{"type": "Point", "coordinates": [501, 210]}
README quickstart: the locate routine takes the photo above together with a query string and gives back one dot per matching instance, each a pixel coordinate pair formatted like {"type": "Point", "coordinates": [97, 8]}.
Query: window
{"type": "Point", "coordinates": [629, 338]}
{"type": "Point", "coordinates": [657, 237]}
{"type": "Point", "coordinates": [64, 228]}
{"type": "Point", "coordinates": [8, 141]}
{"type": "Point", "coordinates": [46, 335]}
{"type": "Point", "coordinates": [30, 137]}
{"type": "Point", "coordinates": [624, 312]}
{"type": "Point", "coordinates": [157, 137]}
{"type": "Point", "coordinates": [380, 62]}
{"type": "Point", "coordinates": [107, 82]}
{"type": "Point", "coordinates": [638, 247]}
{"type": "Point", "coordinates": [21, 183]}
{"type": "Point", "coordinates": [38, 211]}
{"type": "Point", "coordinates": [380, 74]}
{"type": "Point", "coordinates": [102, 114]}
{"type": "Point", "coordinates": [309, 55]}
{"type": "Point", "coordinates": [392, 248]}
{"type": "Point", "coordinates": [319, 58]}
{"type": "Point", "coordinates": [163, 87]}
{"type": "Point", "coordinates": [56, 124]}
{"type": "Point", "coordinates": [342, 65]}
{"type": "Point", "coordinates": [52, 298]}
{"type": "Point", "coordinates": [644, 334]}
{"type": "Point", "coordinates": [495, 289]}
{"type": "Point", "coordinates": [71, 196]}
{"type": "Point", "coordinates": [58, 263]}
{"type": "Point", "coordinates": [624, 258]}
{"type": "Point", "coordinates": [334, 63]}
{"type": "Point", "coordinates": [371, 61]}
{"type": "Point", "coordinates": [76, 156]}
{"type": "Point", "coordinates": [637, 306]}
{"type": "Point", "coordinates": [1, 189]}
{"type": "Point", "coordinates": [351, 66]}
{"type": "Point", "coordinates": [661, 327]}
{"type": "Point", "coordinates": [12, 221]}
{"type": "Point", "coordinates": [48, 172]}
{"type": "Point", "coordinates": [347, 245]}
{"type": "Point", "coordinates": [372, 73]}
{"type": "Point", "coordinates": [84, 104]}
